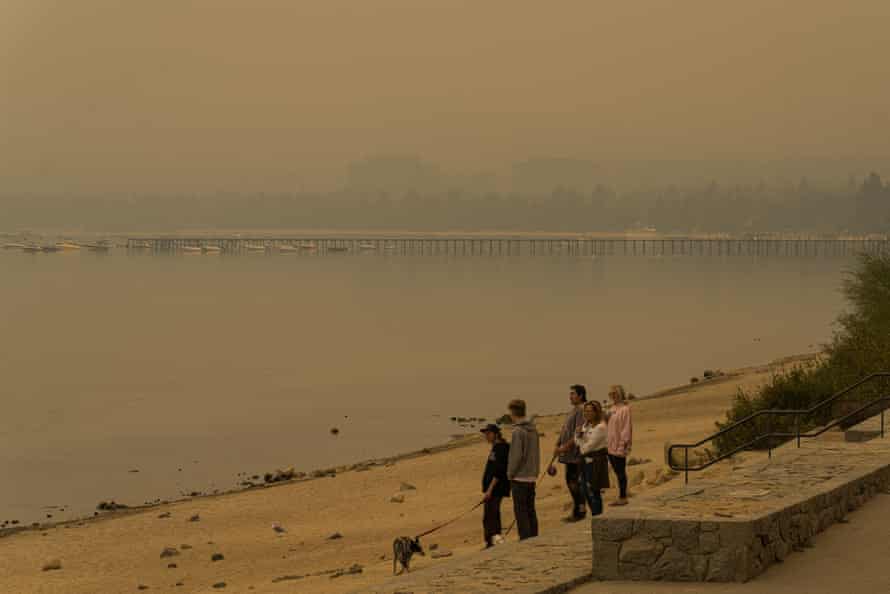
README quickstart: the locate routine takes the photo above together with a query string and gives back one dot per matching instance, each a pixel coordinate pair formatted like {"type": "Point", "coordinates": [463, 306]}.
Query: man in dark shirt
{"type": "Point", "coordinates": [495, 485]}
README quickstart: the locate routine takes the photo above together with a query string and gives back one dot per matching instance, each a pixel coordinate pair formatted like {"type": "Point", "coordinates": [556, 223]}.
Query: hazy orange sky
{"type": "Point", "coordinates": [206, 95]}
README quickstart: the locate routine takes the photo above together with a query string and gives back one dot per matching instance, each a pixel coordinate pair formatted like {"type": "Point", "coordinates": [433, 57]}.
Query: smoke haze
{"type": "Point", "coordinates": [170, 96]}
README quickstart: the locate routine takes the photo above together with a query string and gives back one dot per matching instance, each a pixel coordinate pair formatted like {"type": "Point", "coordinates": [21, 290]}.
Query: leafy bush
{"type": "Point", "coordinates": [860, 346]}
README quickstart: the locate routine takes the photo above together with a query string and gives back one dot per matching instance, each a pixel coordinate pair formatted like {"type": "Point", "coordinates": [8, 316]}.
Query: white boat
{"type": "Point", "coordinates": [288, 248]}
{"type": "Point", "coordinates": [191, 249]}
{"type": "Point", "coordinates": [13, 246]}
{"type": "Point", "coordinates": [367, 246]}
{"type": "Point", "coordinates": [67, 246]}
{"type": "Point", "coordinates": [254, 247]}
{"type": "Point", "coordinates": [32, 248]}
{"type": "Point", "coordinates": [308, 245]}
{"type": "Point", "coordinates": [212, 249]}
{"type": "Point", "coordinates": [99, 246]}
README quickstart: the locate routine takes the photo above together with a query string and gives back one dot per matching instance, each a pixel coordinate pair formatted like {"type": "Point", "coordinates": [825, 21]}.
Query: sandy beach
{"type": "Point", "coordinates": [121, 551]}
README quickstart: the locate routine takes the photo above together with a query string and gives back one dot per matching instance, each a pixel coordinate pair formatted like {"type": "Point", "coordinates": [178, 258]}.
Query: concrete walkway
{"type": "Point", "coordinates": [744, 488]}
{"type": "Point", "coordinates": [553, 562]}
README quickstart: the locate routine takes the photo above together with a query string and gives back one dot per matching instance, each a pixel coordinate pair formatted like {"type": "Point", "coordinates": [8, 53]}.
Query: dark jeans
{"type": "Point", "coordinates": [524, 507]}
{"type": "Point", "coordinates": [619, 465]}
{"type": "Point", "coordinates": [593, 494]}
{"type": "Point", "coordinates": [573, 482]}
{"type": "Point", "coordinates": [491, 518]}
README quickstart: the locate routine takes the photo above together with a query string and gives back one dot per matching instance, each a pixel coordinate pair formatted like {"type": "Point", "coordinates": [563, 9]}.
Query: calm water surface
{"type": "Point", "coordinates": [191, 369]}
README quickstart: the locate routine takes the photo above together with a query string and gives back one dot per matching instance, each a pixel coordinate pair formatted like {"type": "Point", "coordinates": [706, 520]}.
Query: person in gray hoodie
{"type": "Point", "coordinates": [523, 467]}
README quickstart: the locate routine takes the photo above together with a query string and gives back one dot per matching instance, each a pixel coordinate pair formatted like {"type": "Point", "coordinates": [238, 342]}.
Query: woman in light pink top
{"type": "Point", "coordinates": [619, 440]}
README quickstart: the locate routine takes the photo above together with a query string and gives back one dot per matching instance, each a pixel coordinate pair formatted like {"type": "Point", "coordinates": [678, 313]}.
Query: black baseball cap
{"type": "Point", "coordinates": [490, 427]}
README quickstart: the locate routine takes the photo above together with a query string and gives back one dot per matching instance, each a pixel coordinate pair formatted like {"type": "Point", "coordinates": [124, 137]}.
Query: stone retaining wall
{"type": "Point", "coordinates": [641, 548]}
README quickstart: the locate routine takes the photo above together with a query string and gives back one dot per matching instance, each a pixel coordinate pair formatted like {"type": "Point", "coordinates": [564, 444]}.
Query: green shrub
{"type": "Point", "coordinates": [860, 346]}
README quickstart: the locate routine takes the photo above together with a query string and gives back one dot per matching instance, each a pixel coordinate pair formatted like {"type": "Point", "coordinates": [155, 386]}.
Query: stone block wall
{"type": "Point", "coordinates": [629, 547]}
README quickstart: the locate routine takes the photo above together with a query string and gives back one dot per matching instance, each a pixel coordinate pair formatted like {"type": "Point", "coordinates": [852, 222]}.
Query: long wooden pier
{"type": "Point", "coordinates": [515, 246]}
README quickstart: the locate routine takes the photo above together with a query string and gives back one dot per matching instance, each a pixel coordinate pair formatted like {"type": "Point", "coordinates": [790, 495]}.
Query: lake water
{"type": "Point", "coordinates": [191, 369]}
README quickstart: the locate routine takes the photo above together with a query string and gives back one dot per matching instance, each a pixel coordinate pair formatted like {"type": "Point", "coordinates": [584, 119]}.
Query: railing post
{"type": "Point", "coordinates": [882, 423]}
{"type": "Point", "coordinates": [797, 428]}
{"type": "Point", "coordinates": [686, 465]}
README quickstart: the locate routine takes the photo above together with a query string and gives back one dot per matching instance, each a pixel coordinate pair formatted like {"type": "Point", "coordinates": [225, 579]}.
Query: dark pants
{"type": "Point", "coordinates": [491, 518]}
{"type": "Point", "coordinates": [524, 507]}
{"type": "Point", "coordinates": [573, 482]}
{"type": "Point", "coordinates": [619, 465]}
{"type": "Point", "coordinates": [592, 492]}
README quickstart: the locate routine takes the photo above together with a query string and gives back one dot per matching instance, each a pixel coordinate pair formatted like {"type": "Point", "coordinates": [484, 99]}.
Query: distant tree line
{"type": "Point", "coordinates": [862, 208]}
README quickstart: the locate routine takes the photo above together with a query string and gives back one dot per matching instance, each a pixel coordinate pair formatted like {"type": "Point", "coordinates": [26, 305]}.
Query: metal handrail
{"type": "Point", "coordinates": [777, 413]}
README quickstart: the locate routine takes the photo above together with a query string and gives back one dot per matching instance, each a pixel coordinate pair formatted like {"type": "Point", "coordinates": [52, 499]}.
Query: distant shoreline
{"type": "Point", "coordinates": [456, 443]}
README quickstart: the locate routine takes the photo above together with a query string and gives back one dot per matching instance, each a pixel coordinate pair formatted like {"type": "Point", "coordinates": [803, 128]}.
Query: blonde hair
{"type": "Point", "coordinates": [618, 389]}
{"type": "Point", "coordinates": [517, 407]}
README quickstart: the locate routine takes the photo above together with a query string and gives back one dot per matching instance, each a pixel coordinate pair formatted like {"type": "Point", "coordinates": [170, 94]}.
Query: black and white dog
{"type": "Point", "coordinates": [403, 548]}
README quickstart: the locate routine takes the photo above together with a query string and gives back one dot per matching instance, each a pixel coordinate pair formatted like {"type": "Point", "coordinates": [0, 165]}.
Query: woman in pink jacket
{"type": "Point", "coordinates": [619, 439]}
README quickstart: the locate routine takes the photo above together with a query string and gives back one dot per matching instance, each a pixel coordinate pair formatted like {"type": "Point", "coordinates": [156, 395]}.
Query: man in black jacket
{"type": "Point", "coordinates": [494, 482]}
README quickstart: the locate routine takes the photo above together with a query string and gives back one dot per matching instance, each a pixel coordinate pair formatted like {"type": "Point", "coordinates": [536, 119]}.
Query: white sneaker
{"type": "Point", "coordinates": [497, 539]}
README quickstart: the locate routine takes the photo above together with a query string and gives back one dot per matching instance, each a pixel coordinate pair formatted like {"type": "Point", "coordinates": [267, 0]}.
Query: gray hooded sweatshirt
{"type": "Point", "coordinates": [524, 462]}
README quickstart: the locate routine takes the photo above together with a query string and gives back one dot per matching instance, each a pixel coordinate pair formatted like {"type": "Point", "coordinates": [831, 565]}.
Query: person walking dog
{"type": "Point", "coordinates": [495, 484]}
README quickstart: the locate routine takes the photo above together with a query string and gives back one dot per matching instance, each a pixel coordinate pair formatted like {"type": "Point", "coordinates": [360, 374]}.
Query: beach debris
{"type": "Point", "coordinates": [434, 546]}
{"type": "Point", "coordinates": [53, 565]}
{"type": "Point", "coordinates": [195, 494]}
{"type": "Point", "coordinates": [169, 552]}
{"type": "Point", "coordinates": [693, 380]}
{"type": "Point", "coordinates": [441, 554]}
{"type": "Point", "coordinates": [179, 584]}
{"type": "Point", "coordinates": [657, 478]}
{"type": "Point", "coordinates": [335, 536]}
{"type": "Point", "coordinates": [133, 470]}
{"type": "Point", "coordinates": [287, 578]}
{"type": "Point", "coordinates": [407, 487]}
{"type": "Point", "coordinates": [280, 474]}
{"type": "Point", "coordinates": [637, 461]}
{"type": "Point", "coordinates": [142, 587]}
{"type": "Point", "coordinates": [164, 516]}
{"type": "Point", "coordinates": [278, 528]}
{"type": "Point", "coordinates": [351, 570]}
{"type": "Point", "coordinates": [217, 557]}
{"type": "Point", "coordinates": [110, 506]}
{"type": "Point", "coordinates": [185, 547]}
{"type": "Point", "coordinates": [219, 585]}
{"type": "Point", "coordinates": [195, 518]}
{"type": "Point", "coordinates": [172, 566]}
{"type": "Point", "coordinates": [335, 431]}
{"type": "Point", "coordinates": [398, 498]}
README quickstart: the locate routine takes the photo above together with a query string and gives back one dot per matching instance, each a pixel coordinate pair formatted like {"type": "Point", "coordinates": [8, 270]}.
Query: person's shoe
{"type": "Point", "coordinates": [618, 502]}
{"type": "Point", "coordinates": [572, 518]}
